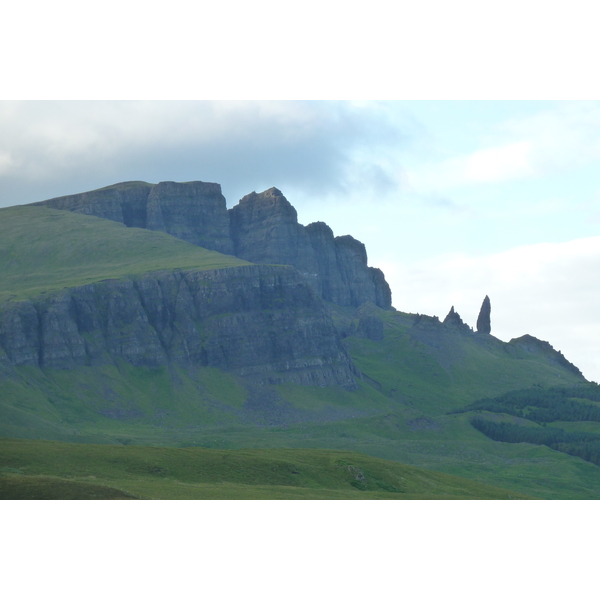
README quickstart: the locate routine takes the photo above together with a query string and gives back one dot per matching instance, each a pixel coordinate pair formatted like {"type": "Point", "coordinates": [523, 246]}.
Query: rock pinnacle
{"type": "Point", "coordinates": [483, 320]}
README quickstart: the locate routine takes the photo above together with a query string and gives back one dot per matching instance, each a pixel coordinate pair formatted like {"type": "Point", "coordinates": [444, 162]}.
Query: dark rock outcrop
{"type": "Point", "coordinates": [370, 327]}
{"type": "Point", "coordinates": [484, 324]}
{"type": "Point", "coordinates": [262, 228]}
{"type": "Point", "coordinates": [195, 211]}
{"type": "Point", "coordinates": [265, 229]}
{"type": "Point", "coordinates": [262, 322]}
{"type": "Point", "coordinates": [124, 202]}
{"type": "Point", "coordinates": [453, 320]}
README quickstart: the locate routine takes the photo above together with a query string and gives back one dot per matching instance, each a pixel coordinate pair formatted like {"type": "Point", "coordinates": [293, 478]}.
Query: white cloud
{"type": "Point", "coordinates": [323, 146]}
{"type": "Point", "coordinates": [550, 141]}
{"type": "Point", "coordinates": [6, 162]}
{"type": "Point", "coordinates": [487, 165]}
{"type": "Point", "coordinates": [500, 163]}
{"type": "Point", "coordinates": [563, 138]}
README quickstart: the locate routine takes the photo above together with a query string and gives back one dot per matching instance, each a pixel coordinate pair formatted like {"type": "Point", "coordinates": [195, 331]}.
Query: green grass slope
{"type": "Point", "coordinates": [42, 249]}
{"type": "Point", "coordinates": [399, 413]}
{"type": "Point", "coordinates": [22, 487]}
{"type": "Point", "coordinates": [413, 378]}
{"type": "Point", "coordinates": [167, 406]}
{"type": "Point", "coordinates": [42, 469]}
{"type": "Point", "coordinates": [435, 369]}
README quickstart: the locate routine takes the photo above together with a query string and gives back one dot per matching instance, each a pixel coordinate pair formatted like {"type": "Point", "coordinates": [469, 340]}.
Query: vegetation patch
{"type": "Point", "coordinates": [62, 470]}
{"type": "Point", "coordinates": [576, 443]}
{"type": "Point", "coordinates": [545, 405]}
{"type": "Point", "coordinates": [44, 250]}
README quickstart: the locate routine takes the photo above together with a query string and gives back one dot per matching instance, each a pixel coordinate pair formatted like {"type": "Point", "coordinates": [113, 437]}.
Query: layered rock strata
{"type": "Point", "coordinates": [262, 228]}
{"type": "Point", "coordinates": [195, 212]}
{"type": "Point", "coordinates": [265, 229]}
{"type": "Point", "coordinates": [263, 322]}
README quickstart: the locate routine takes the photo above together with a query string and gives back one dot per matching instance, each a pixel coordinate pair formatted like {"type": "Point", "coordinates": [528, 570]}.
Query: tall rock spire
{"type": "Point", "coordinates": [483, 320]}
{"type": "Point", "coordinates": [453, 320]}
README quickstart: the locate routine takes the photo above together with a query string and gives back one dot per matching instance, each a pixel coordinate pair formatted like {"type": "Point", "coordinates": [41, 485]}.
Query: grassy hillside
{"type": "Point", "coordinates": [399, 413]}
{"type": "Point", "coordinates": [412, 379]}
{"type": "Point", "coordinates": [434, 369]}
{"type": "Point", "coordinates": [135, 406]}
{"type": "Point", "coordinates": [42, 249]}
{"type": "Point", "coordinates": [41, 469]}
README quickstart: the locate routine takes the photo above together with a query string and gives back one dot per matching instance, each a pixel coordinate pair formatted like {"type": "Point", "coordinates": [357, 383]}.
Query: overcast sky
{"type": "Point", "coordinates": [454, 200]}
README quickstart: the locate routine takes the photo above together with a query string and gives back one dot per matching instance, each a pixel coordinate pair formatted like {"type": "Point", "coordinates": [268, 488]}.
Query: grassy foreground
{"type": "Point", "coordinates": [36, 469]}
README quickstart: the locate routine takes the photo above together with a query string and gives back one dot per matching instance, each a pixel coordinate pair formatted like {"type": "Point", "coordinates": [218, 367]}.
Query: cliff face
{"type": "Point", "coordinates": [124, 203]}
{"type": "Point", "coordinates": [262, 228]}
{"type": "Point", "coordinates": [262, 322]}
{"type": "Point", "coordinates": [195, 212]}
{"type": "Point", "coordinates": [265, 229]}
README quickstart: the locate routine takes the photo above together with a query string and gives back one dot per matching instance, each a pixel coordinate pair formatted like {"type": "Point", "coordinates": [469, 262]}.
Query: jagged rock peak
{"type": "Point", "coordinates": [270, 193]}
{"type": "Point", "coordinates": [265, 229]}
{"type": "Point", "coordinates": [453, 320]}
{"type": "Point", "coordinates": [270, 204]}
{"type": "Point", "coordinates": [484, 324]}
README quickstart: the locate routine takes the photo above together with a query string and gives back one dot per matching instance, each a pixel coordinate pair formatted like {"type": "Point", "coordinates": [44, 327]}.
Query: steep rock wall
{"type": "Point", "coordinates": [265, 229]}
{"type": "Point", "coordinates": [262, 322]}
{"type": "Point", "coordinates": [124, 203]}
{"type": "Point", "coordinates": [195, 211]}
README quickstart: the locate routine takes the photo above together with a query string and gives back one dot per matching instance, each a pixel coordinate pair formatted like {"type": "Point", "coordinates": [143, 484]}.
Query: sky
{"type": "Point", "coordinates": [454, 200]}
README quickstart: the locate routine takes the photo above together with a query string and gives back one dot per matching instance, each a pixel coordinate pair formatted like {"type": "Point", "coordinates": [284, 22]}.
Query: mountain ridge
{"type": "Point", "coordinates": [263, 228]}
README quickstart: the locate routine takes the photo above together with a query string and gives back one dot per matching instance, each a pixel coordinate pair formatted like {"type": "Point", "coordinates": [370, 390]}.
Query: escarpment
{"type": "Point", "coordinates": [261, 322]}
{"type": "Point", "coordinates": [263, 228]}
{"type": "Point", "coordinates": [195, 211]}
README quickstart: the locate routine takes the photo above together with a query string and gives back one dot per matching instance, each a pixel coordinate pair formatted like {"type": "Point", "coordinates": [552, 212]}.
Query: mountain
{"type": "Point", "coordinates": [151, 314]}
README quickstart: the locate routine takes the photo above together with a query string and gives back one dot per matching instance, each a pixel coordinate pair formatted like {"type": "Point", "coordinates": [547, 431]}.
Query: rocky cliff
{"type": "Point", "coordinates": [262, 322]}
{"type": "Point", "coordinates": [195, 212]}
{"type": "Point", "coordinates": [265, 229]}
{"type": "Point", "coordinates": [262, 228]}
